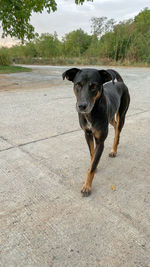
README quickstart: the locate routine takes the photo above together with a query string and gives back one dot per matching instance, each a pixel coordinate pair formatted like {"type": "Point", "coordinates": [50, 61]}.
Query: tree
{"type": "Point", "coordinates": [123, 36]}
{"type": "Point", "coordinates": [15, 15]}
{"type": "Point", "coordinates": [101, 25]}
{"type": "Point", "coordinates": [48, 45]}
{"type": "Point", "coordinates": [98, 26]}
{"type": "Point", "coordinates": [140, 46]}
{"type": "Point", "coordinates": [94, 47]}
{"type": "Point", "coordinates": [76, 43]}
{"type": "Point", "coordinates": [142, 21]}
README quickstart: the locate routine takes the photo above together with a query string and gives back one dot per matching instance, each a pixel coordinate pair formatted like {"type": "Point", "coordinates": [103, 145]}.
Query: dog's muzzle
{"type": "Point", "coordinates": [84, 108]}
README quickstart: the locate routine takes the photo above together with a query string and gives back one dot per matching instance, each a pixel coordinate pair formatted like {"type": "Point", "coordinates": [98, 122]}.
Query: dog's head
{"type": "Point", "coordinates": [87, 86]}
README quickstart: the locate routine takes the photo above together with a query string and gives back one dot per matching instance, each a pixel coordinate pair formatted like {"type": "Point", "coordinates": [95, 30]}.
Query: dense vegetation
{"type": "Point", "coordinates": [5, 58]}
{"type": "Point", "coordinates": [127, 42]}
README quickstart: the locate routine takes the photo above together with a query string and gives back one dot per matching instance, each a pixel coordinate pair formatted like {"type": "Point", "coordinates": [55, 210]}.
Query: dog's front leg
{"type": "Point", "coordinates": [90, 141]}
{"type": "Point", "coordinates": [86, 189]}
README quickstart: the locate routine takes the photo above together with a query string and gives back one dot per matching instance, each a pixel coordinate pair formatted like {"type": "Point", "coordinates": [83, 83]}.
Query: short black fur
{"type": "Point", "coordinates": [100, 101]}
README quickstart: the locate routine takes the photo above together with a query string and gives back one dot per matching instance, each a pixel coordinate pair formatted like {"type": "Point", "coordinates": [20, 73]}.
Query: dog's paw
{"type": "Point", "coordinates": [86, 190]}
{"type": "Point", "coordinates": [112, 154]}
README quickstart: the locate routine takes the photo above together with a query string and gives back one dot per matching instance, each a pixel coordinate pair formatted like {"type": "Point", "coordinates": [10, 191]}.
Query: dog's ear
{"type": "Point", "coordinates": [70, 74]}
{"type": "Point", "coordinates": [107, 75]}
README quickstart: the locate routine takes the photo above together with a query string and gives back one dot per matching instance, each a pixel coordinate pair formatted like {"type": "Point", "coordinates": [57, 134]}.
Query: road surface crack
{"type": "Point", "coordinates": [52, 136]}
{"type": "Point", "coordinates": [34, 141]}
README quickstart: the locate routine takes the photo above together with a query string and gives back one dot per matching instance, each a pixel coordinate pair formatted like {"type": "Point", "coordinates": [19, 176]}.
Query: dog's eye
{"type": "Point", "coordinates": [93, 87]}
{"type": "Point", "coordinates": [78, 85]}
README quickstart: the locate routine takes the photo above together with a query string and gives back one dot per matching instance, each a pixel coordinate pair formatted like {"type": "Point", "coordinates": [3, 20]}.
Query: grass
{"type": "Point", "coordinates": [58, 61]}
{"type": "Point", "coordinates": [13, 69]}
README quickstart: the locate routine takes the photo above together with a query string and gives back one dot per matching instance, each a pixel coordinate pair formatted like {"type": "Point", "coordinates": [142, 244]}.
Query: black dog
{"type": "Point", "coordinates": [98, 103]}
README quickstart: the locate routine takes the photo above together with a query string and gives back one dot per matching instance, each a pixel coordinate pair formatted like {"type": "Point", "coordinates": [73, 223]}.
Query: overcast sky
{"type": "Point", "coordinates": [69, 16]}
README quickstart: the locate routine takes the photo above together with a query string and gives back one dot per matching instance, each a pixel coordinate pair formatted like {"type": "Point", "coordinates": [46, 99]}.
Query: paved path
{"type": "Point", "coordinates": [43, 162]}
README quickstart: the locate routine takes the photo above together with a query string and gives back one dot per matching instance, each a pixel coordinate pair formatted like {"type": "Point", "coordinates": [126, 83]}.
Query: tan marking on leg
{"type": "Point", "coordinates": [113, 151]}
{"type": "Point", "coordinates": [113, 122]}
{"type": "Point", "coordinates": [92, 149]}
{"type": "Point", "coordinates": [86, 188]}
{"type": "Point", "coordinates": [96, 133]}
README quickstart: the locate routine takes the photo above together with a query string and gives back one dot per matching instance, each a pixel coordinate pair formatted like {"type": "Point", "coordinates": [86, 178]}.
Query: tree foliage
{"type": "Point", "coordinates": [76, 43]}
{"type": "Point", "coordinates": [127, 40]}
{"type": "Point", "coordinates": [101, 25]}
{"type": "Point", "coordinates": [5, 58]}
{"type": "Point", "coordinates": [112, 42]}
{"type": "Point", "coordinates": [15, 15]}
{"type": "Point", "coordinates": [48, 45]}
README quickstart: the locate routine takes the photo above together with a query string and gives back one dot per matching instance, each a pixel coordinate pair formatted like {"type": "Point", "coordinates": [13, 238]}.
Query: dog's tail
{"type": "Point", "coordinates": [117, 75]}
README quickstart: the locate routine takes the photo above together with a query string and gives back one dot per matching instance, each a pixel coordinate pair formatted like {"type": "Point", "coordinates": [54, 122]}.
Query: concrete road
{"type": "Point", "coordinates": [43, 162]}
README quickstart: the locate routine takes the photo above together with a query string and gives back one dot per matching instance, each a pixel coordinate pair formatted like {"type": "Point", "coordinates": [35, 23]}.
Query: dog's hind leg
{"type": "Point", "coordinates": [125, 101]}
{"type": "Point", "coordinates": [120, 122]}
{"type": "Point", "coordinates": [113, 151]}
{"type": "Point", "coordinates": [113, 122]}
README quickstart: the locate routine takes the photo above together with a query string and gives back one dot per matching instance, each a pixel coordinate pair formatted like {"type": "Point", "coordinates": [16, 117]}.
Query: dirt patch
{"type": "Point", "coordinates": [36, 79]}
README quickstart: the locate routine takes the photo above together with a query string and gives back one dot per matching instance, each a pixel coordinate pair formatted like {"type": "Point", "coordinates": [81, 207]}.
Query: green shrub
{"type": "Point", "coordinates": [5, 58]}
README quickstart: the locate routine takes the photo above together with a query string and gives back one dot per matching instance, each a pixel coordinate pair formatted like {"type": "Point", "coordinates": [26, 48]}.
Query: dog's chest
{"type": "Point", "coordinates": [91, 128]}
{"type": "Point", "coordinates": [88, 124]}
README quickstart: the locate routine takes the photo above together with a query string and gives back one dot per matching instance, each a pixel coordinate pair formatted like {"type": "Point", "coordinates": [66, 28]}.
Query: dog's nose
{"type": "Point", "coordinates": [82, 106]}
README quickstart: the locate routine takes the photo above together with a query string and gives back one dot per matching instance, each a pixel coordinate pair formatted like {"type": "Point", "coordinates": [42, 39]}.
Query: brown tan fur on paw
{"type": "Point", "coordinates": [86, 190]}
{"type": "Point", "coordinates": [112, 154]}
